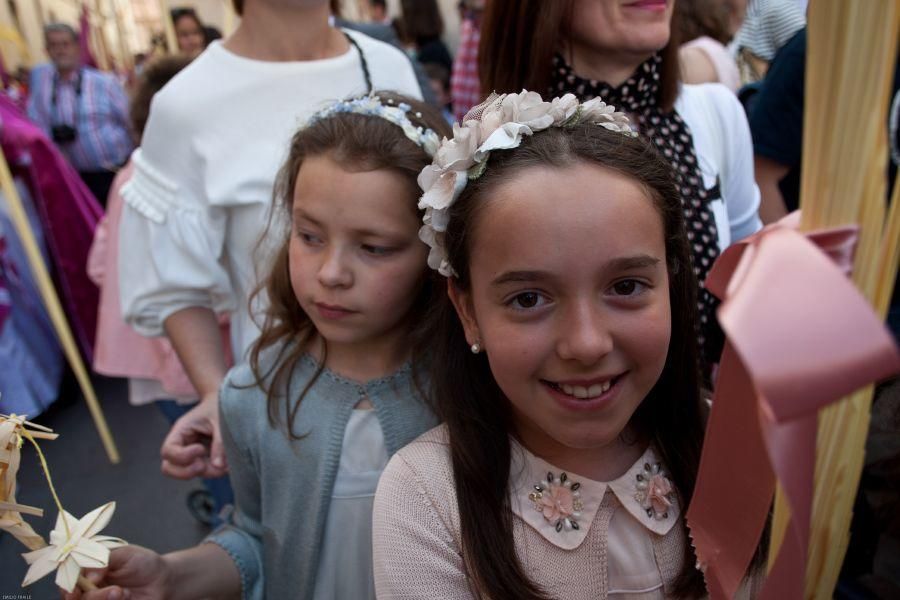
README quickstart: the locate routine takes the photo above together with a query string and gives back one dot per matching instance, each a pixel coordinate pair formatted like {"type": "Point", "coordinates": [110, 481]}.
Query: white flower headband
{"type": "Point", "coordinates": [498, 123]}
{"type": "Point", "coordinates": [371, 105]}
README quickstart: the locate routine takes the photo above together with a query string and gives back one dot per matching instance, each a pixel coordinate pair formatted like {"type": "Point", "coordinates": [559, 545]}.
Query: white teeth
{"type": "Point", "coordinates": [582, 392]}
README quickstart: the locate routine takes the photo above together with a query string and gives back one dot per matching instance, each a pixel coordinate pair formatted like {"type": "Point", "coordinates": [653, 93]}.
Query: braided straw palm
{"type": "Point", "coordinates": [851, 51]}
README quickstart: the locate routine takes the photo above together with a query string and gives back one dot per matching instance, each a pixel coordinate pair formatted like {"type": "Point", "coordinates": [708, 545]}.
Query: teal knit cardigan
{"type": "Point", "coordinates": [283, 487]}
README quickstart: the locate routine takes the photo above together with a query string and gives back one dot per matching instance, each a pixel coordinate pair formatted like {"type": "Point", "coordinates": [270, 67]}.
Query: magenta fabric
{"type": "Point", "coordinates": [68, 213]}
{"type": "Point", "coordinates": [84, 38]}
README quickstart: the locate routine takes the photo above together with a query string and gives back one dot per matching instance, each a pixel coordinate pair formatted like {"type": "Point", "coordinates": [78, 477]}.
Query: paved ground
{"type": "Point", "coordinates": [150, 508]}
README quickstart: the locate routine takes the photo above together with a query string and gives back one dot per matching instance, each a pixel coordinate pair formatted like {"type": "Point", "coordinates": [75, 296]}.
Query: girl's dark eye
{"type": "Point", "coordinates": [625, 288]}
{"type": "Point", "coordinates": [628, 287]}
{"type": "Point", "coordinates": [308, 238]}
{"type": "Point", "coordinates": [527, 300]}
{"type": "Point", "coordinates": [376, 250]}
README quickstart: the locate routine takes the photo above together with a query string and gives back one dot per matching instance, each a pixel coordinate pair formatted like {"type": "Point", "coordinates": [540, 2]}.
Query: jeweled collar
{"type": "Point", "coordinates": [561, 506]}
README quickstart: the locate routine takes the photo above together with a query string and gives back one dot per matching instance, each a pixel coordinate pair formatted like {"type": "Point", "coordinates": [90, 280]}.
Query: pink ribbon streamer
{"type": "Point", "coordinates": [800, 337]}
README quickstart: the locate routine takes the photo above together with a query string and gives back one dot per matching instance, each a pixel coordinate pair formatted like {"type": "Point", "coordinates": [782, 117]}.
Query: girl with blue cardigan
{"type": "Point", "coordinates": [333, 385]}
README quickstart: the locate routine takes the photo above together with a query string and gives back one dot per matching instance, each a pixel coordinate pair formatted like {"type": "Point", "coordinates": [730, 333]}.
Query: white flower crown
{"type": "Point", "coordinates": [372, 105]}
{"type": "Point", "coordinates": [498, 123]}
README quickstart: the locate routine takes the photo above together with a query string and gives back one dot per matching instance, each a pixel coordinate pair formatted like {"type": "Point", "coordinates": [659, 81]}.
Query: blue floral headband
{"type": "Point", "coordinates": [371, 105]}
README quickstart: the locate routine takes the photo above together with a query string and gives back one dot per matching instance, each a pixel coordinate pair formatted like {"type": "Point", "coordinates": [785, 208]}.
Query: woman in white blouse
{"type": "Point", "coordinates": [198, 201]}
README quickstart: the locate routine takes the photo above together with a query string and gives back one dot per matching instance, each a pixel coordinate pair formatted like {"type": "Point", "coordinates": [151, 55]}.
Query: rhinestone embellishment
{"type": "Point", "coordinates": [559, 501]}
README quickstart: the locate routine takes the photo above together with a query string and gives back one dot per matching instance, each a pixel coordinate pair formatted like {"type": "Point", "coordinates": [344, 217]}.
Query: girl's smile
{"type": "Point", "coordinates": [585, 395]}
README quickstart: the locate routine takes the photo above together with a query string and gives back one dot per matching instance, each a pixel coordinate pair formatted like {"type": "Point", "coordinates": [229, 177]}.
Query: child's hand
{"type": "Point", "coordinates": [134, 573]}
{"type": "Point", "coordinates": [194, 447]}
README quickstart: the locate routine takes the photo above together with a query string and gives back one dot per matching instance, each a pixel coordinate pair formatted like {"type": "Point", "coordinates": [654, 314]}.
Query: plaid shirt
{"type": "Point", "coordinates": [99, 113]}
{"type": "Point", "coordinates": [465, 88]}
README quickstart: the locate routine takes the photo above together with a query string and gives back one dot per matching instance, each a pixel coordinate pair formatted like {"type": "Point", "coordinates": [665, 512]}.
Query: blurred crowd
{"type": "Point", "coordinates": [181, 155]}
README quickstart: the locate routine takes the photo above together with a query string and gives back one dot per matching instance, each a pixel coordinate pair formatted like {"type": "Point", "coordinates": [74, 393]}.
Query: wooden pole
{"type": "Point", "coordinates": [229, 23]}
{"type": "Point", "coordinates": [97, 24]}
{"type": "Point", "coordinates": [124, 46]}
{"type": "Point", "coordinates": [54, 307]}
{"type": "Point", "coordinates": [168, 27]}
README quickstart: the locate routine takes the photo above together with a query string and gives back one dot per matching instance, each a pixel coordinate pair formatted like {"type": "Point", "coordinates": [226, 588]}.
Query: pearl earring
{"type": "Point", "coordinates": [476, 348]}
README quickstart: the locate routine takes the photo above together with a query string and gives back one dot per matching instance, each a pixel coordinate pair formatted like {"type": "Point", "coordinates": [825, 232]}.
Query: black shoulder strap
{"type": "Point", "coordinates": [362, 60]}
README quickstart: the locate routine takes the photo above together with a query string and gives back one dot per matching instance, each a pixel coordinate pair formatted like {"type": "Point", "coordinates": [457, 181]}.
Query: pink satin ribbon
{"type": "Point", "coordinates": [800, 337]}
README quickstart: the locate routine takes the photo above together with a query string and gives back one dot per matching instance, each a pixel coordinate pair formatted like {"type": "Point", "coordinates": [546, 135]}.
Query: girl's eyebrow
{"type": "Point", "coordinates": [519, 276]}
{"type": "Point", "coordinates": [625, 263]}
{"type": "Point", "coordinates": [299, 213]}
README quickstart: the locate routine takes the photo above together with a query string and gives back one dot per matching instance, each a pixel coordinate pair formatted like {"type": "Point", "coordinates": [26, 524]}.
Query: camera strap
{"type": "Point", "coordinates": [54, 99]}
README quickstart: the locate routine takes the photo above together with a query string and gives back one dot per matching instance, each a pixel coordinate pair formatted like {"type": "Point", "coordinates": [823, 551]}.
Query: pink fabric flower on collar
{"type": "Point", "coordinates": [557, 502]}
{"type": "Point", "coordinates": [655, 492]}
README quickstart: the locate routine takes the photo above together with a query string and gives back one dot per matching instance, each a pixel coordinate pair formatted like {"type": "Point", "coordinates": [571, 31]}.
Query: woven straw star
{"type": "Point", "coordinates": [74, 545]}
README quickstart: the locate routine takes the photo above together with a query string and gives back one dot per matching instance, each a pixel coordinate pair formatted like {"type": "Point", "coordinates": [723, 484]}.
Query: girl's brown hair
{"type": "Point", "coordinates": [697, 18]}
{"type": "Point", "coordinates": [356, 142]}
{"type": "Point", "coordinates": [152, 79]}
{"type": "Point", "coordinates": [519, 38]}
{"type": "Point", "coordinates": [422, 20]}
{"type": "Point", "coordinates": [477, 414]}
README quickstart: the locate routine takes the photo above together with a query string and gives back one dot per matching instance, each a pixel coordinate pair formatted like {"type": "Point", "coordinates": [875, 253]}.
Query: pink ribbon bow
{"type": "Point", "coordinates": [800, 337]}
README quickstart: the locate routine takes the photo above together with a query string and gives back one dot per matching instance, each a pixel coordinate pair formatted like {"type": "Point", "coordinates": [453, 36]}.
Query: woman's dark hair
{"type": "Point", "coordinates": [182, 12]}
{"type": "Point", "coordinates": [422, 20]}
{"type": "Point", "coordinates": [474, 408]}
{"type": "Point", "coordinates": [152, 79]}
{"type": "Point", "coordinates": [697, 18]}
{"type": "Point", "coordinates": [211, 34]}
{"type": "Point", "coordinates": [364, 143]}
{"type": "Point", "coordinates": [238, 6]}
{"type": "Point", "coordinates": [520, 37]}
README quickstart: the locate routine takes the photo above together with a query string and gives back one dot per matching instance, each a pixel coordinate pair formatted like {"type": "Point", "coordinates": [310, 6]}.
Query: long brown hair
{"type": "Point", "coordinates": [519, 38]}
{"type": "Point", "coordinates": [362, 142]}
{"type": "Point", "coordinates": [477, 414]}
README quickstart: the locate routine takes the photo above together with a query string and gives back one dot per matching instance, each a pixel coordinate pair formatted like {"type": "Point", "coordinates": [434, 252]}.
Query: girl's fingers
{"type": "Point", "coordinates": [109, 593]}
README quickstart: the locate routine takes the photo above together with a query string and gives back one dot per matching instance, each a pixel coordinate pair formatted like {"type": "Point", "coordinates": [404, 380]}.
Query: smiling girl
{"type": "Point", "coordinates": [565, 369]}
